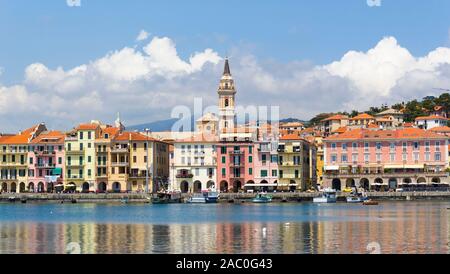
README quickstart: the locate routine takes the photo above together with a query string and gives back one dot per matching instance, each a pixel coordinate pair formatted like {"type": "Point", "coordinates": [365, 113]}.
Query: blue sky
{"type": "Point", "coordinates": [319, 31]}
{"type": "Point", "coordinates": [292, 53]}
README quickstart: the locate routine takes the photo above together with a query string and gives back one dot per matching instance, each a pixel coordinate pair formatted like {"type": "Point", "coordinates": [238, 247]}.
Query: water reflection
{"type": "Point", "coordinates": [420, 229]}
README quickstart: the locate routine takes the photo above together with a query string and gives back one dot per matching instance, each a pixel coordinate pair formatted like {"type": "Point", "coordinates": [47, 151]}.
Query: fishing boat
{"type": "Point", "coordinates": [166, 197]}
{"type": "Point", "coordinates": [356, 198]}
{"type": "Point", "coordinates": [206, 197]}
{"type": "Point", "coordinates": [262, 198]}
{"type": "Point", "coordinates": [328, 196]}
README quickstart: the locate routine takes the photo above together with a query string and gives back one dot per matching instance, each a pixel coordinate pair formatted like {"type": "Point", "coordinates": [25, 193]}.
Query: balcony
{"type": "Point", "coordinates": [236, 152]}
{"type": "Point", "coordinates": [236, 176]}
{"type": "Point", "coordinates": [185, 176]}
{"type": "Point", "coordinates": [44, 165]}
{"type": "Point", "coordinates": [233, 164]}
{"type": "Point", "coordinates": [75, 165]}
{"type": "Point", "coordinates": [139, 175]}
{"type": "Point", "coordinates": [101, 176]}
{"type": "Point", "coordinates": [120, 150]}
{"type": "Point", "coordinates": [75, 177]}
{"type": "Point", "coordinates": [23, 164]}
{"type": "Point", "coordinates": [71, 138]}
{"type": "Point", "coordinates": [119, 164]}
{"type": "Point", "coordinates": [290, 164]}
{"type": "Point", "coordinates": [44, 153]}
{"type": "Point", "coordinates": [102, 164]}
{"type": "Point", "coordinates": [101, 150]}
{"type": "Point", "coordinates": [75, 152]}
{"type": "Point", "coordinates": [9, 178]}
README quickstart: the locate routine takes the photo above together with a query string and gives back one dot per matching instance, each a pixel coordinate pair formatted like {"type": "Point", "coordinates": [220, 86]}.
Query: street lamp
{"type": "Point", "coordinates": [147, 131]}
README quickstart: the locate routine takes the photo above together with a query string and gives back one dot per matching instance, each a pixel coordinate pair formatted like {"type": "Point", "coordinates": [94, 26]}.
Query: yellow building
{"type": "Point", "coordinates": [294, 163]}
{"type": "Point", "coordinates": [80, 157]}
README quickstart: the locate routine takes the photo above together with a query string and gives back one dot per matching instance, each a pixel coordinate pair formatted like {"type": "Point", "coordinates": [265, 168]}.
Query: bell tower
{"type": "Point", "coordinates": [227, 92]}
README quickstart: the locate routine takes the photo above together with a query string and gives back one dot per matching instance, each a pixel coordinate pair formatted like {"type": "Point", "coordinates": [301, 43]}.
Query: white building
{"type": "Point", "coordinates": [194, 163]}
{"type": "Point", "coordinates": [432, 121]}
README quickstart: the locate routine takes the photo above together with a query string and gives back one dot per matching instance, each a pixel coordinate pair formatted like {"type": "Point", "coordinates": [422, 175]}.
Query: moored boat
{"type": "Point", "coordinates": [328, 196]}
{"type": "Point", "coordinates": [356, 198]}
{"type": "Point", "coordinates": [206, 197]}
{"type": "Point", "coordinates": [166, 197]}
{"type": "Point", "coordinates": [262, 198]}
{"type": "Point", "coordinates": [370, 202]}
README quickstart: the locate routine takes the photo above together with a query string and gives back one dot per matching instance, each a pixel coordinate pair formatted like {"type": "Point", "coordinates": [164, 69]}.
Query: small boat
{"type": "Point", "coordinates": [370, 202]}
{"type": "Point", "coordinates": [328, 196]}
{"type": "Point", "coordinates": [206, 197]}
{"type": "Point", "coordinates": [356, 198]}
{"type": "Point", "coordinates": [12, 199]}
{"type": "Point", "coordinates": [262, 198]}
{"type": "Point", "coordinates": [166, 197]}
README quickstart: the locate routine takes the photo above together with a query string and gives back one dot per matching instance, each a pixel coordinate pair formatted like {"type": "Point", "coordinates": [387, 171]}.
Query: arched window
{"type": "Point", "coordinates": [227, 103]}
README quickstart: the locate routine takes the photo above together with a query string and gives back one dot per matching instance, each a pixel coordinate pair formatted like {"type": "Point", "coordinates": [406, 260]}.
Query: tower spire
{"type": "Point", "coordinates": [226, 70]}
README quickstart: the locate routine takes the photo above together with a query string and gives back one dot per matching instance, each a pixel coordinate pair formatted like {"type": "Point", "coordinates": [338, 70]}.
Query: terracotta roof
{"type": "Point", "coordinates": [290, 137]}
{"type": "Point", "coordinates": [407, 133]}
{"type": "Point", "coordinates": [440, 129]}
{"type": "Point", "coordinates": [336, 117]}
{"type": "Point", "coordinates": [21, 138]}
{"type": "Point", "coordinates": [239, 130]}
{"type": "Point", "coordinates": [431, 117]}
{"type": "Point", "coordinates": [87, 127]}
{"type": "Point", "coordinates": [408, 124]}
{"type": "Point", "coordinates": [340, 130]}
{"type": "Point", "coordinates": [372, 126]}
{"type": "Point", "coordinates": [200, 138]}
{"type": "Point", "coordinates": [291, 124]}
{"type": "Point", "coordinates": [133, 136]}
{"type": "Point", "coordinates": [362, 116]}
{"type": "Point", "coordinates": [111, 131]}
{"type": "Point", "coordinates": [56, 137]}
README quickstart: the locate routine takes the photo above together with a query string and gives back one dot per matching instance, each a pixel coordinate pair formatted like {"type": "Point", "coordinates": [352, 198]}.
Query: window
{"type": "Point", "coordinates": [404, 146]}
{"type": "Point", "coordinates": [274, 158]}
{"type": "Point", "coordinates": [344, 147]}
{"type": "Point", "coordinates": [263, 173]}
{"type": "Point", "coordinates": [145, 159]}
{"type": "Point", "coordinates": [224, 172]}
{"type": "Point", "coordinates": [392, 147]}
{"type": "Point", "coordinates": [81, 135]}
{"type": "Point", "coordinates": [89, 135]}
{"type": "Point", "coordinates": [438, 146]}
{"type": "Point", "coordinates": [250, 149]}
{"type": "Point", "coordinates": [416, 156]}
{"type": "Point", "coordinates": [378, 146]}
{"type": "Point", "coordinates": [366, 158]}
{"type": "Point", "coordinates": [81, 146]}
{"type": "Point", "coordinates": [250, 171]}
{"type": "Point", "coordinates": [31, 160]}
{"type": "Point", "coordinates": [344, 158]}
{"type": "Point", "coordinates": [392, 157]}
{"type": "Point", "coordinates": [427, 156]}
{"type": "Point", "coordinates": [366, 147]}
{"type": "Point", "coordinates": [274, 173]}
{"type": "Point", "coordinates": [69, 146]}
{"type": "Point", "coordinates": [60, 160]}
{"type": "Point", "coordinates": [333, 146]}
{"type": "Point", "coordinates": [223, 150]}
{"type": "Point", "coordinates": [264, 158]}
{"type": "Point", "coordinates": [333, 158]}
{"type": "Point", "coordinates": [134, 146]}
{"type": "Point", "coordinates": [416, 145]}
{"type": "Point", "coordinates": [223, 159]}
{"type": "Point", "coordinates": [437, 156]}
{"type": "Point", "coordinates": [404, 157]}
{"type": "Point", "coordinates": [427, 146]}
{"type": "Point", "coordinates": [145, 146]}
{"type": "Point", "coordinates": [281, 174]}
{"type": "Point", "coordinates": [89, 172]}
{"type": "Point", "coordinates": [355, 146]}
{"type": "Point", "coordinates": [250, 159]}
{"type": "Point", "coordinates": [378, 157]}
{"type": "Point", "coordinates": [226, 100]}
{"type": "Point", "coordinates": [134, 159]}
{"type": "Point", "coordinates": [59, 148]}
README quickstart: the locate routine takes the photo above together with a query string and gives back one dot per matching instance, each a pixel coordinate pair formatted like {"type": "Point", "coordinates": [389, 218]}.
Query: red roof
{"type": "Point", "coordinates": [133, 136]}
{"type": "Point", "coordinates": [362, 116]}
{"type": "Point", "coordinates": [431, 117]}
{"type": "Point", "coordinates": [290, 137]}
{"type": "Point", "coordinates": [407, 133]}
{"type": "Point", "coordinates": [440, 129]}
{"type": "Point", "coordinates": [56, 137]}
{"type": "Point", "coordinates": [336, 117]}
{"type": "Point", "coordinates": [87, 127]}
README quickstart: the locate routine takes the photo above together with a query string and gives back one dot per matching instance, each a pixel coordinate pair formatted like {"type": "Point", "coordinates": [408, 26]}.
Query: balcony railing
{"type": "Point", "coordinates": [75, 177]}
{"type": "Point", "coordinates": [45, 153]}
{"type": "Point", "coordinates": [119, 150]}
{"type": "Point", "coordinates": [80, 151]}
{"type": "Point", "coordinates": [188, 175]}
{"type": "Point", "coordinates": [236, 152]}
{"type": "Point", "coordinates": [137, 175]}
{"type": "Point", "coordinates": [44, 165]}
{"type": "Point", "coordinates": [119, 164]}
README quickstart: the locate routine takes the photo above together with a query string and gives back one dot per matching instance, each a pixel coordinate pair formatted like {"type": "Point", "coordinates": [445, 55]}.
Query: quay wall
{"type": "Point", "coordinates": [224, 197]}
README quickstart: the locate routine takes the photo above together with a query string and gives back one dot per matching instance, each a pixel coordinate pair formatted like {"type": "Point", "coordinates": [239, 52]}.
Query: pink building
{"type": "Point", "coordinates": [46, 162]}
{"type": "Point", "coordinates": [265, 166]}
{"type": "Point", "coordinates": [386, 159]}
{"type": "Point", "coordinates": [235, 165]}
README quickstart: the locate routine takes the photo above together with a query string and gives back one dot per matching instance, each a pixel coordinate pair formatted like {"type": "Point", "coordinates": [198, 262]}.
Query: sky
{"type": "Point", "coordinates": [69, 61]}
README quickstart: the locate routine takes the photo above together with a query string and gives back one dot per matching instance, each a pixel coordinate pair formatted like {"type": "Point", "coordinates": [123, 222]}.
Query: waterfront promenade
{"type": "Point", "coordinates": [224, 197]}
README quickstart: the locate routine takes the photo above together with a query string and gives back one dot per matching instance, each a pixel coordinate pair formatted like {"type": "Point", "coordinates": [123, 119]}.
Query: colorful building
{"type": "Point", "coordinates": [235, 165]}
{"type": "Point", "coordinates": [194, 165]}
{"type": "Point", "coordinates": [46, 161]}
{"type": "Point", "coordinates": [332, 123]}
{"type": "Point", "coordinates": [385, 159]}
{"type": "Point", "coordinates": [432, 121]}
{"type": "Point", "coordinates": [14, 160]}
{"type": "Point", "coordinates": [294, 163]}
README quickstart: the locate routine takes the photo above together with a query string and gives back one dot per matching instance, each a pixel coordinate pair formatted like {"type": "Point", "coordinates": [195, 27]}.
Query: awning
{"type": "Point", "coordinates": [57, 171]}
{"type": "Point", "coordinates": [404, 166]}
{"type": "Point", "coordinates": [332, 168]}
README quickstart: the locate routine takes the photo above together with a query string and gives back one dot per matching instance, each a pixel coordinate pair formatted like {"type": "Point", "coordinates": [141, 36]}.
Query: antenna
{"type": "Point", "coordinates": [442, 89]}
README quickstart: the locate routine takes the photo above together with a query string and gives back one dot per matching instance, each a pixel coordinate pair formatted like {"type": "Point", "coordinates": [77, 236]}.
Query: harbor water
{"type": "Point", "coordinates": [390, 227]}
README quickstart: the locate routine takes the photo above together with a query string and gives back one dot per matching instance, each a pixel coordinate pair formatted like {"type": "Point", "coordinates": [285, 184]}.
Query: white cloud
{"type": "Point", "coordinates": [143, 35]}
{"type": "Point", "coordinates": [145, 84]}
